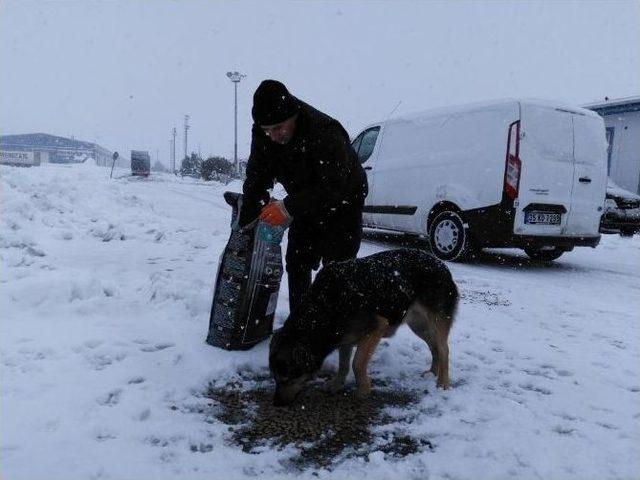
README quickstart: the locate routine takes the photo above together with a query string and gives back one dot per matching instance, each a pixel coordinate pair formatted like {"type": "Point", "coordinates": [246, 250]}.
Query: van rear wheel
{"type": "Point", "coordinates": [544, 254]}
{"type": "Point", "coordinates": [449, 238]}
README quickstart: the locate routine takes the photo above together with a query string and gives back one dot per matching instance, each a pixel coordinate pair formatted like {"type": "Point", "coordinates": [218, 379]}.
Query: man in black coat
{"type": "Point", "coordinates": [309, 153]}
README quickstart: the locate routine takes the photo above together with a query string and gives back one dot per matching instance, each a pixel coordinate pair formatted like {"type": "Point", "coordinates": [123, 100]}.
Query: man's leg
{"type": "Point", "coordinates": [299, 283]}
{"type": "Point", "coordinates": [341, 246]}
{"type": "Point", "coordinates": [301, 260]}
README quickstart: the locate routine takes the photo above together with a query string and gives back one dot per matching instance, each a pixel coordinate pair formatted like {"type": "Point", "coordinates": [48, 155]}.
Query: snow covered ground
{"type": "Point", "coordinates": [105, 292]}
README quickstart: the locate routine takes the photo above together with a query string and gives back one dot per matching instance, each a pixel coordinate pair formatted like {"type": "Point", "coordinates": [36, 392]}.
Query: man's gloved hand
{"type": "Point", "coordinates": [275, 214]}
{"type": "Point", "coordinates": [245, 229]}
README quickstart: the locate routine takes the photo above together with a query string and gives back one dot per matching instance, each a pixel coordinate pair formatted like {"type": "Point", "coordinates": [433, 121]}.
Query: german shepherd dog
{"type": "Point", "coordinates": [356, 303]}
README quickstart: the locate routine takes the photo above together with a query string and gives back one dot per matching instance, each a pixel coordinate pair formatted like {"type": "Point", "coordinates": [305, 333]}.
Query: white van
{"type": "Point", "coordinates": [515, 173]}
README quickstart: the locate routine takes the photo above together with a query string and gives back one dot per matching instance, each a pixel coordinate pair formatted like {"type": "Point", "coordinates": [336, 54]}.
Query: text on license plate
{"type": "Point", "coordinates": [545, 218]}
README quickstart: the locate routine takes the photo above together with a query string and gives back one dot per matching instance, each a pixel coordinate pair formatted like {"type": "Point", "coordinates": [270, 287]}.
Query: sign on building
{"type": "Point", "coordinates": [23, 159]}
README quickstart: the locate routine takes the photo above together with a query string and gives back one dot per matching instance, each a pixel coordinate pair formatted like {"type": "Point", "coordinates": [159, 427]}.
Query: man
{"type": "Point", "coordinates": [309, 153]}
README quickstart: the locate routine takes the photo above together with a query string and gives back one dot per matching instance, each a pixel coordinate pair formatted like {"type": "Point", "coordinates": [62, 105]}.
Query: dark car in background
{"type": "Point", "coordinates": [140, 163]}
{"type": "Point", "coordinates": [621, 211]}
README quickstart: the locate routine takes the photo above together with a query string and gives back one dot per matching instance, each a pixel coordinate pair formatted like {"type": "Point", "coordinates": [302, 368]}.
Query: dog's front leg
{"type": "Point", "coordinates": [337, 382]}
{"type": "Point", "coordinates": [365, 350]}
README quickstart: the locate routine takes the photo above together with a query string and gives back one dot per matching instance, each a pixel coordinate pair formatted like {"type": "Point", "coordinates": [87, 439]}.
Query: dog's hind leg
{"type": "Point", "coordinates": [366, 347]}
{"type": "Point", "coordinates": [337, 382]}
{"type": "Point", "coordinates": [418, 321]}
{"type": "Point", "coordinates": [442, 345]}
{"type": "Point", "coordinates": [433, 327]}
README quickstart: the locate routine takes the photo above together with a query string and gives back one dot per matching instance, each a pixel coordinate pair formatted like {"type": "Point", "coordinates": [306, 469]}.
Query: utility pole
{"type": "Point", "coordinates": [186, 129]}
{"type": "Point", "coordinates": [173, 151]}
{"type": "Point", "coordinates": [235, 77]}
{"type": "Point", "coordinates": [170, 156]}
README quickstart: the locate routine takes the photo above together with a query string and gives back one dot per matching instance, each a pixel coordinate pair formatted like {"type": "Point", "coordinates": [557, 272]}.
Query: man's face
{"type": "Point", "coordinates": [281, 133]}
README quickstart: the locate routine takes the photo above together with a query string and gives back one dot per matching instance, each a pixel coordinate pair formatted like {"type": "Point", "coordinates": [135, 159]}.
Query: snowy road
{"type": "Point", "coordinates": [105, 291]}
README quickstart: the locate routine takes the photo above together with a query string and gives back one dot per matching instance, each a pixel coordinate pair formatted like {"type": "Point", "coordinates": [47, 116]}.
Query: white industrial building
{"type": "Point", "coordinates": [622, 122]}
{"type": "Point", "coordinates": [45, 148]}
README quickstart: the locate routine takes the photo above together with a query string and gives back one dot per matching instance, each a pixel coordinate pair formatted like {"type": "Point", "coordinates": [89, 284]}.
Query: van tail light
{"type": "Point", "coordinates": [513, 165]}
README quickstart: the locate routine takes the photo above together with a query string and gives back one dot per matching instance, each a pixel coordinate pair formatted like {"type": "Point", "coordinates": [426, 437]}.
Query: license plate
{"type": "Point", "coordinates": [542, 218]}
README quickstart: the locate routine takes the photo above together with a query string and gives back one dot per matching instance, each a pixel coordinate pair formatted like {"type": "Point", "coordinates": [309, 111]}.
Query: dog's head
{"type": "Point", "coordinates": [292, 364]}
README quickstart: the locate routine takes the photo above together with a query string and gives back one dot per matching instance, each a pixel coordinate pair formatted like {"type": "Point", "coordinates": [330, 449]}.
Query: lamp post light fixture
{"type": "Point", "coordinates": [235, 77]}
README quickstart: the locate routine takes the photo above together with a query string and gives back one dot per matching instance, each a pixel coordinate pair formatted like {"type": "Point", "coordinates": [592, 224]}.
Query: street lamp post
{"type": "Point", "coordinates": [235, 77]}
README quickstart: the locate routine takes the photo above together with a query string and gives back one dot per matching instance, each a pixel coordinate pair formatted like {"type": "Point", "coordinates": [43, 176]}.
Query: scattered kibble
{"type": "Point", "coordinates": [325, 427]}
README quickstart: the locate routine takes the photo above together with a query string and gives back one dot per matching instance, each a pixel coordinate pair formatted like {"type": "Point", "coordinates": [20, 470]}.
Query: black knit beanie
{"type": "Point", "coordinates": [272, 103]}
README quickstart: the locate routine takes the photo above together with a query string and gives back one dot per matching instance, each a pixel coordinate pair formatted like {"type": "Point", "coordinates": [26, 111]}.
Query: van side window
{"type": "Point", "coordinates": [356, 143]}
{"type": "Point", "coordinates": [367, 143]}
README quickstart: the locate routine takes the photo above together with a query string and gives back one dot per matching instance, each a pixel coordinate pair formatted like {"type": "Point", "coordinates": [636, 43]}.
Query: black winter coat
{"type": "Point", "coordinates": [325, 183]}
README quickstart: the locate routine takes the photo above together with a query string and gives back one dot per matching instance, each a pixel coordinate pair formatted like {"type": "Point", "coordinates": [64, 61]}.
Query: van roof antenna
{"type": "Point", "coordinates": [393, 110]}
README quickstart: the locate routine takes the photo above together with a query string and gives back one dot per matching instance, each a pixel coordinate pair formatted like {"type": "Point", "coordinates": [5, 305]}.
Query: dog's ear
{"type": "Point", "coordinates": [275, 340]}
{"type": "Point", "coordinates": [276, 350]}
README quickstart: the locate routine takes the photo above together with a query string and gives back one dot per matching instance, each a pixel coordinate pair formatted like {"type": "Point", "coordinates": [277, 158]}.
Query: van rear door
{"type": "Point", "coordinates": [590, 175]}
{"type": "Point", "coordinates": [547, 171]}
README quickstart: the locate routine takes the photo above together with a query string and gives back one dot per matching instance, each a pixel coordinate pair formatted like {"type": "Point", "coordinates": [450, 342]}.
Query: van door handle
{"type": "Point", "coordinates": [370, 168]}
{"type": "Point", "coordinates": [584, 180]}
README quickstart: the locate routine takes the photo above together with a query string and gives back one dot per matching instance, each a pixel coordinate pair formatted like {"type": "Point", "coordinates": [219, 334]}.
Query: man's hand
{"type": "Point", "coordinates": [275, 214]}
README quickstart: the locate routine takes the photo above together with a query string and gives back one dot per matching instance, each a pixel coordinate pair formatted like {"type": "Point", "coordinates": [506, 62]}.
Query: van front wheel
{"type": "Point", "coordinates": [448, 237]}
{"type": "Point", "coordinates": [545, 255]}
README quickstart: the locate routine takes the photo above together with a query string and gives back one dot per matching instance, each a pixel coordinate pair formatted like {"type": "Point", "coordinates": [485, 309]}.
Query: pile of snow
{"type": "Point", "coordinates": [105, 293]}
{"type": "Point", "coordinates": [85, 159]}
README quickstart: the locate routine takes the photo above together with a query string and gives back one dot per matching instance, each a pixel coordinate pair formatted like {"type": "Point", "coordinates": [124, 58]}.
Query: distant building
{"type": "Point", "coordinates": [622, 122]}
{"type": "Point", "coordinates": [49, 148]}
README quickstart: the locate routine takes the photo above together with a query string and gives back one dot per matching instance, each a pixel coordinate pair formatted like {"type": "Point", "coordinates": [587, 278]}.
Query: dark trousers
{"type": "Point", "coordinates": [307, 249]}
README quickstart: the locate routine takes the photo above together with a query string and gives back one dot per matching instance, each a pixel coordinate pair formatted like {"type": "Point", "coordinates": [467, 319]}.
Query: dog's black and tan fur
{"type": "Point", "coordinates": [356, 303]}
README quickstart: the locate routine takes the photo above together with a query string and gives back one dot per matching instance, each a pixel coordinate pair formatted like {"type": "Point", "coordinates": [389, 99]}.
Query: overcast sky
{"type": "Point", "coordinates": [123, 73]}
